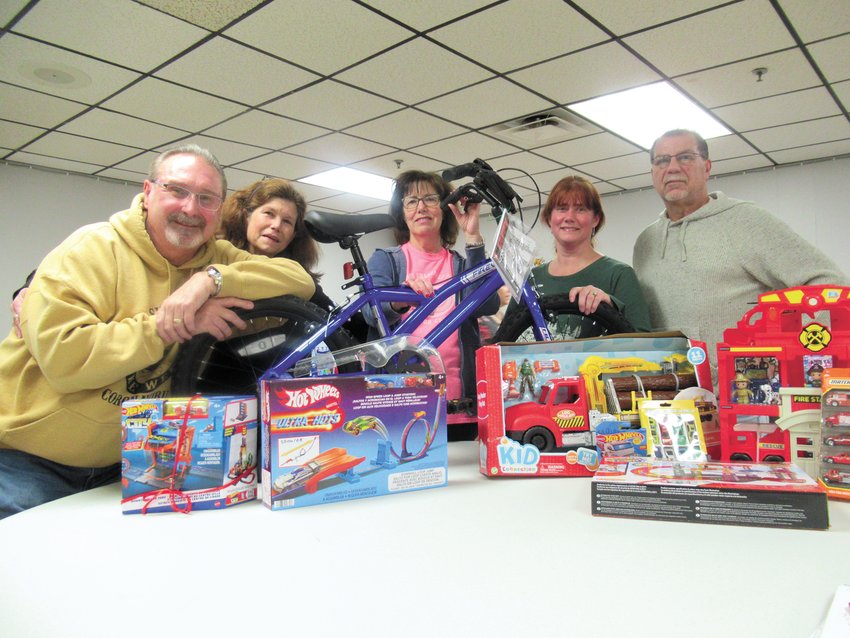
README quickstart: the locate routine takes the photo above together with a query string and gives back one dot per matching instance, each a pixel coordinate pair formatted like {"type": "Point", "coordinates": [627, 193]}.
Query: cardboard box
{"type": "Point", "coordinates": [539, 403]}
{"type": "Point", "coordinates": [181, 454]}
{"type": "Point", "coordinates": [334, 438]}
{"type": "Point", "coordinates": [760, 495]}
{"type": "Point", "coordinates": [834, 450]}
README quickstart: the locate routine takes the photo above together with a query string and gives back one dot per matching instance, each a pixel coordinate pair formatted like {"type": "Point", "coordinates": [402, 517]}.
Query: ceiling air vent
{"type": "Point", "coordinates": [539, 129]}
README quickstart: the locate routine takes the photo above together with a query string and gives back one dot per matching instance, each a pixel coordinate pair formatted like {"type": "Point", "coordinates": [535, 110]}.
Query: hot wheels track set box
{"type": "Point", "coordinates": [541, 404]}
{"type": "Point", "coordinates": [752, 494]}
{"type": "Point", "coordinates": [188, 453]}
{"type": "Point", "coordinates": [333, 438]}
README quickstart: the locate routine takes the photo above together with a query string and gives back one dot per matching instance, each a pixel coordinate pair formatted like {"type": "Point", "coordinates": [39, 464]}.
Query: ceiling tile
{"type": "Point", "coordinates": [633, 182]}
{"type": "Point", "coordinates": [339, 148]}
{"type": "Point", "coordinates": [779, 109]}
{"type": "Point", "coordinates": [524, 161]}
{"type": "Point", "coordinates": [265, 130]}
{"type": "Point", "coordinates": [17, 135]}
{"type": "Point", "coordinates": [122, 129]}
{"type": "Point", "coordinates": [139, 164]}
{"type": "Point", "coordinates": [626, 17]}
{"type": "Point", "coordinates": [727, 146]}
{"type": "Point", "coordinates": [60, 73]}
{"type": "Point", "coordinates": [464, 148]}
{"type": "Point", "coordinates": [486, 103]}
{"type": "Point", "coordinates": [810, 152]}
{"type": "Point", "coordinates": [320, 104]}
{"type": "Point", "coordinates": [737, 164]}
{"type": "Point", "coordinates": [386, 165]}
{"type": "Point", "coordinates": [842, 90]}
{"type": "Point", "coordinates": [57, 163]}
{"type": "Point", "coordinates": [226, 152]}
{"type": "Point", "coordinates": [262, 77]}
{"type": "Point", "coordinates": [547, 180]}
{"type": "Point", "coordinates": [210, 15]}
{"type": "Point", "coordinates": [237, 178]}
{"type": "Point", "coordinates": [284, 165]}
{"type": "Point", "coordinates": [81, 149]}
{"type": "Point", "coordinates": [612, 168]}
{"type": "Point", "coordinates": [588, 149]}
{"type": "Point", "coordinates": [131, 177]}
{"type": "Point", "coordinates": [330, 35]}
{"type": "Point", "coordinates": [33, 107]}
{"type": "Point", "coordinates": [801, 134]}
{"type": "Point", "coordinates": [832, 57]}
{"type": "Point", "coordinates": [10, 9]}
{"type": "Point", "coordinates": [676, 48]}
{"type": "Point", "coordinates": [530, 31]}
{"type": "Point", "coordinates": [786, 71]}
{"type": "Point", "coordinates": [406, 128]}
{"type": "Point", "coordinates": [424, 15]}
{"type": "Point", "coordinates": [816, 19]}
{"type": "Point", "coordinates": [604, 69]}
{"type": "Point", "coordinates": [155, 100]}
{"type": "Point", "coordinates": [381, 74]}
{"type": "Point", "coordinates": [119, 30]}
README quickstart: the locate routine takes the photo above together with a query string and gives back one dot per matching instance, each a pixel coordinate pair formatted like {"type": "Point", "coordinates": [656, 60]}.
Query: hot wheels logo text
{"type": "Point", "coordinates": [309, 396]}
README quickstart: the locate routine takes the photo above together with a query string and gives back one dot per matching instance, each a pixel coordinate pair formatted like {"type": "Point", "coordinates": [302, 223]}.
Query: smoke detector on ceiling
{"type": "Point", "coordinates": [539, 129]}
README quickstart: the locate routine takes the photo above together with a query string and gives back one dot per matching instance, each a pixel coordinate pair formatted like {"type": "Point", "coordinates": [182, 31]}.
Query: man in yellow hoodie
{"type": "Point", "coordinates": [102, 321]}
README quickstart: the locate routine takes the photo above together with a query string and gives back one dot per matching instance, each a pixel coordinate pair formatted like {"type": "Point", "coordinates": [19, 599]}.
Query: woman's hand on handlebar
{"type": "Point", "coordinates": [588, 298]}
{"type": "Point", "coordinates": [468, 216]}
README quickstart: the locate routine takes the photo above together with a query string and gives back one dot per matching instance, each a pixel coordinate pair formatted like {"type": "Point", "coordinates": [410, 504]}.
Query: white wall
{"type": "Point", "coordinates": [39, 208]}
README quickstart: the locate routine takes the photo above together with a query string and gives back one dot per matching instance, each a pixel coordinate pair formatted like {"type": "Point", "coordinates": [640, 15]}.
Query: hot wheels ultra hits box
{"type": "Point", "coordinates": [539, 404]}
{"type": "Point", "coordinates": [182, 454]}
{"type": "Point", "coordinates": [753, 494]}
{"type": "Point", "coordinates": [334, 438]}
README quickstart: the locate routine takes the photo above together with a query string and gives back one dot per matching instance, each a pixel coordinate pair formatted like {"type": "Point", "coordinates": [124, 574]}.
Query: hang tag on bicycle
{"type": "Point", "coordinates": [513, 253]}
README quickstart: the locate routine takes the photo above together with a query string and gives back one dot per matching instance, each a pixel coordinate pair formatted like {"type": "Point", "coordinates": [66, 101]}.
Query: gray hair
{"type": "Point", "coordinates": [189, 149]}
{"type": "Point", "coordinates": [702, 145]}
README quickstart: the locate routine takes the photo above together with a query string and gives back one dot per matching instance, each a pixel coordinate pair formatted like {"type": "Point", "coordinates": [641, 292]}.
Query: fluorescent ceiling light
{"type": "Point", "coordinates": [350, 180]}
{"type": "Point", "coordinates": [643, 114]}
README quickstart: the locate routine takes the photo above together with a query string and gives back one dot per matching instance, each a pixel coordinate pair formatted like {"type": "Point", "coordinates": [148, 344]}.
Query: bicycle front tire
{"type": "Point", "coordinates": [564, 320]}
{"type": "Point", "coordinates": [234, 365]}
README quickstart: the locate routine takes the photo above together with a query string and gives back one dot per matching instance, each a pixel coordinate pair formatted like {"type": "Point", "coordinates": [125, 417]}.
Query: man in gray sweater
{"type": "Point", "coordinates": [708, 257]}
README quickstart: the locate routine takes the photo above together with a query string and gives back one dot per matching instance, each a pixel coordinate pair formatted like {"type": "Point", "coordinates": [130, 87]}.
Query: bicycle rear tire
{"type": "Point", "coordinates": [234, 365]}
{"type": "Point", "coordinates": [517, 324]}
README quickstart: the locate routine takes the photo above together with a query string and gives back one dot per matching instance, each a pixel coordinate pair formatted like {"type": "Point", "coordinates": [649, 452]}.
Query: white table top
{"type": "Point", "coordinates": [482, 557]}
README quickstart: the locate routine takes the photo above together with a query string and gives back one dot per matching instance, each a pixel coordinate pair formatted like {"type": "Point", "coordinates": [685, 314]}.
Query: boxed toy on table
{"type": "Point", "coordinates": [334, 438]}
{"type": "Point", "coordinates": [188, 453]}
{"type": "Point", "coordinates": [541, 404]}
{"type": "Point", "coordinates": [834, 454]}
{"type": "Point", "coordinates": [761, 495]}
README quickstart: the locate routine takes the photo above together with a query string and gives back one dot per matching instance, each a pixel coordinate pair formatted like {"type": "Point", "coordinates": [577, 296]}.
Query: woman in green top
{"type": "Point", "coordinates": [573, 213]}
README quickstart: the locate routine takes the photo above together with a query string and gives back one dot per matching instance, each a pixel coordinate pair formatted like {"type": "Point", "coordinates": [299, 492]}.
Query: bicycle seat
{"type": "Point", "coordinates": [330, 228]}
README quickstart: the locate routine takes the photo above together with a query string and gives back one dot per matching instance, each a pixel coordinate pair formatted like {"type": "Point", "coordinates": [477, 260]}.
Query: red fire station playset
{"type": "Point", "coordinates": [770, 370]}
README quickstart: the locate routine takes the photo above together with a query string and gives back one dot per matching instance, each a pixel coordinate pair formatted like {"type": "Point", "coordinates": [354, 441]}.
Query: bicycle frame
{"type": "Point", "coordinates": [373, 296]}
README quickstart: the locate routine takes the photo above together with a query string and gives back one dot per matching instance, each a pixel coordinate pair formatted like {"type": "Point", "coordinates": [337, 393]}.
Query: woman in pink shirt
{"type": "Point", "coordinates": [424, 259]}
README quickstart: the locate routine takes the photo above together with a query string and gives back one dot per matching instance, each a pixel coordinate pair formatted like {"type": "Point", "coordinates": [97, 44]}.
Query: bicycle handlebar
{"type": "Point", "coordinates": [486, 185]}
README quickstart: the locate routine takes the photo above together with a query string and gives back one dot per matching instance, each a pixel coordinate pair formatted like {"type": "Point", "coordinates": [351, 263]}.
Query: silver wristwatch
{"type": "Point", "coordinates": [215, 275]}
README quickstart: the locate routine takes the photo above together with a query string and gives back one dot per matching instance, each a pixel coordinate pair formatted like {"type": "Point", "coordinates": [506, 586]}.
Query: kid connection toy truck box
{"type": "Point", "coordinates": [182, 454]}
{"type": "Point", "coordinates": [336, 438]}
{"type": "Point", "coordinates": [755, 494]}
{"type": "Point", "coordinates": [539, 403]}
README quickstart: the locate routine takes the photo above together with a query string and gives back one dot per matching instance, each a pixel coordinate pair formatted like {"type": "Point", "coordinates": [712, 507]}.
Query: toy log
{"type": "Point", "coordinates": [662, 386]}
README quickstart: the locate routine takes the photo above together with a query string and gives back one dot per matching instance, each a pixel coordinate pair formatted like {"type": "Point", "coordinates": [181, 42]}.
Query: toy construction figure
{"type": "Point", "coordinates": [526, 377]}
{"type": "Point", "coordinates": [742, 393]}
